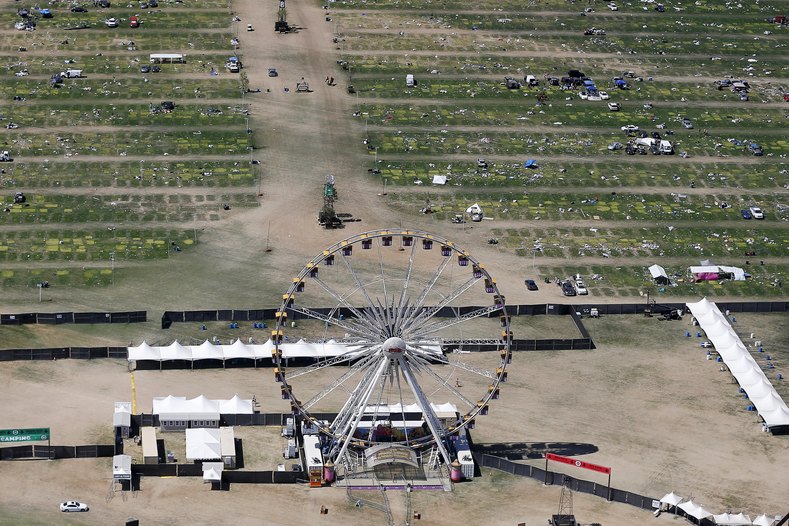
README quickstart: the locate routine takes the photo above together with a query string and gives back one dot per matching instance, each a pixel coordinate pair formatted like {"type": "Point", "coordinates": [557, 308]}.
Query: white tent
{"type": "Point", "coordinates": [439, 179]}
{"type": "Point", "coordinates": [207, 351]}
{"type": "Point", "coordinates": [672, 499]}
{"type": "Point", "coordinates": [179, 408]}
{"type": "Point", "coordinates": [238, 350]}
{"type": "Point", "coordinates": [659, 274]}
{"type": "Point", "coordinates": [694, 510]}
{"type": "Point", "coordinates": [235, 406]}
{"type": "Point", "coordinates": [212, 471]}
{"type": "Point", "coordinates": [121, 467]}
{"type": "Point", "coordinates": [175, 351]}
{"type": "Point", "coordinates": [143, 352]}
{"type": "Point", "coordinates": [763, 520]}
{"type": "Point", "coordinates": [203, 444]}
{"type": "Point", "coordinates": [731, 519]}
{"type": "Point", "coordinates": [741, 364]}
{"type": "Point", "coordinates": [737, 273]}
{"type": "Point", "coordinates": [122, 415]}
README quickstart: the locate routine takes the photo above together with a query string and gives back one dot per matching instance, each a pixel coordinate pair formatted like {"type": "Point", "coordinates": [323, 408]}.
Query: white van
{"type": "Point", "coordinates": [72, 73]}
{"type": "Point", "coordinates": [410, 81]}
{"type": "Point", "coordinates": [666, 147]}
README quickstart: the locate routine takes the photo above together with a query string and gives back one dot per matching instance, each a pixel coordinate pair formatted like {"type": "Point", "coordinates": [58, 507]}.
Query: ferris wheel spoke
{"type": "Point", "coordinates": [377, 407]}
{"type": "Point", "coordinates": [356, 415]}
{"type": "Point", "coordinates": [416, 308]}
{"type": "Point", "coordinates": [425, 314]}
{"type": "Point", "coordinates": [425, 368]}
{"type": "Point", "coordinates": [349, 325]}
{"type": "Point", "coordinates": [383, 277]}
{"type": "Point", "coordinates": [427, 411]}
{"type": "Point", "coordinates": [476, 370]}
{"type": "Point", "coordinates": [360, 286]}
{"type": "Point", "coordinates": [352, 354]}
{"type": "Point", "coordinates": [403, 303]}
{"type": "Point", "coordinates": [347, 375]}
{"type": "Point", "coordinates": [347, 410]}
{"type": "Point", "coordinates": [358, 314]}
{"type": "Point", "coordinates": [436, 326]}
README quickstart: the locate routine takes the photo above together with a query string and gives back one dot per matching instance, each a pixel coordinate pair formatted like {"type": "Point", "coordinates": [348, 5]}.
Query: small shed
{"type": "Point", "coordinates": [121, 419]}
{"type": "Point", "coordinates": [150, 450]}
{"type": "Point", "coordinates": [121, 467]}
{"type": "Point", "coordinates": [227, 442]}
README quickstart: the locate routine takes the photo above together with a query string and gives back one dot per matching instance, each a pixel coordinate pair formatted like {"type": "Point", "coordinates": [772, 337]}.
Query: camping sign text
{"type": "Point", "coordinates": [24, 435]}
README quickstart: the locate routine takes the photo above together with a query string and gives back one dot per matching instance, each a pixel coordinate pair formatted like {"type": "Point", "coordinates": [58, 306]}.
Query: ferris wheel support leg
{"type": "Point", "coordinates": [427, 410]}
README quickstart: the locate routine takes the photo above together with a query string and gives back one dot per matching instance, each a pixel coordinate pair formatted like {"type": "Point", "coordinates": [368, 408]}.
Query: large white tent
{"type": "Point", "coordinates": [672, 499]}
{"type": "Point", "coordinates": [763, 520]}
{"type": "Point", "coordinates": [769, 404]}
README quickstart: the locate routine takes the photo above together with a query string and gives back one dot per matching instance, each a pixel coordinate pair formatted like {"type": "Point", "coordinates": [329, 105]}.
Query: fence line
{"type": "Point", "coordinates": [57, 318]}
{"type": "Point", "coordinates": [552, 477]}
{"type": "Point", "coordinates": [55, 452]}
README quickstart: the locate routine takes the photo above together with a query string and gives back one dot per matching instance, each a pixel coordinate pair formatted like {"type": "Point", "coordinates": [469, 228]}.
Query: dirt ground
{"type": "Point", "coordinates": [651, 407]}
{"type": "Point", "coordinates": [664, 421]}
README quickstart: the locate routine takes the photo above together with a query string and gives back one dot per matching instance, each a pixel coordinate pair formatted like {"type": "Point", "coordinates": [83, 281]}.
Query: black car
{"type": "Point", "coordinates": [568, 289]}
{"type": "Point", "coordinates": [78, 9]}
{"type": "Point", "coordinates": [145, 68]}
{"type": "Point", "coordinates": [531, 285]}
{"type": "Point", "coordinates": [153, 3]}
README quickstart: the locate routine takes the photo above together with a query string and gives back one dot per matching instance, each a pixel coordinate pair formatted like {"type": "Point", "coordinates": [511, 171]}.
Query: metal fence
{"type": "Point", "coordinates": [56, 318]}
{"type": "Point", "coordinates": [228, 476]}
{"type": "Point", "coordinates": [60, 353]}
{"type": "Point", "coordinates": [551, 477]}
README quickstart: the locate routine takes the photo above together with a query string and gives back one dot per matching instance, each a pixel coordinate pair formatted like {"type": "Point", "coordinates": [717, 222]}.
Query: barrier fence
{"type": "Point", "coordinates": [55, 452]}
{"type": "Point", "coordinates": [60, 353]}
{"type": "Point", "coordinates": [255, 419]}
{"type": "Point", "coordinates": [56, 318]}
{"type": "Point", "coordinates": [551, 477]}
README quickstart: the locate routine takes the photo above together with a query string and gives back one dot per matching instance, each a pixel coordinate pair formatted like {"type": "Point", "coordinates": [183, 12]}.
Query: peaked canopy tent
{"type": "Point", "coordinates": [763, 520]}
{"type": "Point", "coordinates": [730, 519]}
{"type": "Point", "coordinates": [671, 499]}
{"type": "Point", "coordinates": [212, 471]}
{"type": "Point", "coordinates": [769, 404]}
{"type": "Point", "coordinates": [694, 510]}
{"type": "Point", "coordinates": [176, 412]}
{"type": "Point", "coordinates": [715, 272]}
{"type": "Point", "coordinates": [236, 406]}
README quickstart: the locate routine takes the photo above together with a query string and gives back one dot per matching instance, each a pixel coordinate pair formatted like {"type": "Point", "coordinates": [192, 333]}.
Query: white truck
{"type": "Point", "coordinates": [71, 73]}
{"type": "Point", "coordinates": [666, 147]}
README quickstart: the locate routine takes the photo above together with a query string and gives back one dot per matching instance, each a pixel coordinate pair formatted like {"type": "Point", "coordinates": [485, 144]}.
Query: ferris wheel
{"type": "Point", "coordinates": [395, 320]}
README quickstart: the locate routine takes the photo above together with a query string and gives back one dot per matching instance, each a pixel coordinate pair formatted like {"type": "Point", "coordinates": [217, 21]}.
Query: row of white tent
{"type": "Point", "coordinates": [695, 510]}
{"type": "Point", "coordinates": [769, 404]}
{"type": "Point", "coordinates": [238, 349]}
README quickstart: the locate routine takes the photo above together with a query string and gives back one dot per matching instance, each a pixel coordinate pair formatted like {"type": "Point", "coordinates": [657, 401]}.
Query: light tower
{"type": "Point", "coordinates": [281, 25]}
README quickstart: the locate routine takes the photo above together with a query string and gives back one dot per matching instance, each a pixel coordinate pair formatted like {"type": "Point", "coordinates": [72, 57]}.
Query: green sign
{"type": "Point", "coordinates": [24, 435]}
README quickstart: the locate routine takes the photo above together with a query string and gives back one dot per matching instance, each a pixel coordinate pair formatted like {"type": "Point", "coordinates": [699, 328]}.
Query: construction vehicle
{"type": "Point", "coordinates": [281, 25]}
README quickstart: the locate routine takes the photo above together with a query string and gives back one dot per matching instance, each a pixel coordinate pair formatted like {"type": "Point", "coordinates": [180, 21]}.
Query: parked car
{"type": "Point", "coordinates": [604, 95]}
{"type": "Point", "coordinates": [250, 28]}
{"type": "Point", "coordinates": [73, 505]}
{"type": "Point", "coordinates": [112, 22]}
{"type": "Point", "coordinates": [153, 3]}
{"type": "Point", "coordinates": [272, 72]}
{"type": "Point", "coordinates": [687, 123]}
{"type": "Point", "coordinates": [613, 106]}
{"type": "Point", "coordinates": [45, 13]}
{"type": "Point", "coordinates": [757, 212]}
{"type": "Point", "coordinates": [630, 128]}
{"type": "Point", "coordinates": [746, 214]}
{"type": "Point", "coordinates": [613, 7]}
{"type": "Point", "coordinates": [755, 149]}
{"type": "Point", "coordinates": [531, 285]}
{"type": "Point", "coordinates": [78, 9]}
{"type": "Point", "coordinates": [580, 286]}
{"type": "Point", "coordinates": [134, 22]}
{"type": "Point", "coordinates": [615, 146]}
{"type": "Point", "coordinates": [568, 289]}
{"type": "Point", "coordinates": [145, 68]}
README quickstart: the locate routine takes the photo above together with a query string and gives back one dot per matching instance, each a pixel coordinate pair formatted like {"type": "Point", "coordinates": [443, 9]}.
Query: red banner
{"type": "Point", "coordinates": [578, 463]}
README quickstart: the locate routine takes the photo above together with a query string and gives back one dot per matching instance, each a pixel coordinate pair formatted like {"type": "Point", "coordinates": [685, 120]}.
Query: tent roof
{"type": "Point", "coordinates": [212, 471]}
{"type": "Point", "coordinates": [203, 444]}
{"type": "Point", "coordinates": [206, 351]}
{"type": "Point", "coordinates": [121, 465]}
{"type": "Point", "coordinates": [657, 271]}
{"type": "Point", "coordinates": [732, 520]}
{"type": "Point", "coordinates": [694, 510]}
{"type": "Point", "coordinates": [238, 350]}
{"type": "Point", "coordinates": [143, 352]}
{"type": "Point", "coordinates": [176, 351]}
{"type": "Point", "coordinates": [672, 499]}
{"type": "Point", "coordinates": [235, 406]}
{"type": "Point", "coordinates": [178, 407]}
{"type": "Point", "coordinates": [763, 520]}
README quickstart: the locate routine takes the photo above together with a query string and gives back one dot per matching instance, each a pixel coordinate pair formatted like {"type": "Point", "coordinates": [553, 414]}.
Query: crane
{"type": "Point", "coordinates": [281, 25]}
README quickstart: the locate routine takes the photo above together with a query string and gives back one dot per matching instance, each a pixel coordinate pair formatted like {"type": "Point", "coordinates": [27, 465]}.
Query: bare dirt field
{"type": "Point", "coordinates": [650, 406]}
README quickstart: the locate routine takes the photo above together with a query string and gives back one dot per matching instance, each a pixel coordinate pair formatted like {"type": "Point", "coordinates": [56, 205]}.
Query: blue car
{"type": "Point", "coordinates": [45, 13]}
{"type": "Point", "coordinates": [746, 214]}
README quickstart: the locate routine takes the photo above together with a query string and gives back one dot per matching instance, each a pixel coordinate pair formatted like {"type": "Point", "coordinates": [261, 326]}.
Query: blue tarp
{"type": "Point", "coordinates": [531, 163]}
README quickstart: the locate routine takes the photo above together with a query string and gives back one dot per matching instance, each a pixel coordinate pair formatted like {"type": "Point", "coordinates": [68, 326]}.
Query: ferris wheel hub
{"type": "Point", "coordinates": [394, 347]}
